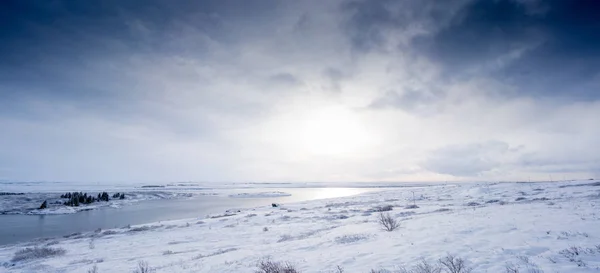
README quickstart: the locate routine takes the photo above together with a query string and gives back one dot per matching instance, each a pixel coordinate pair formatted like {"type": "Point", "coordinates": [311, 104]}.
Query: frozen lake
{"type": "Point", "coordinates": [19, 228]}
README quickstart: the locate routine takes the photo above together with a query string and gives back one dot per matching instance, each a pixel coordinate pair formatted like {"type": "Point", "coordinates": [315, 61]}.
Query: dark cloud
{"type": "Point", "coordinates": [55, 42]}
{"type": "Point", "coordinates": [544, 48]}
{"type": "Point", "coordinates": [368, 22]}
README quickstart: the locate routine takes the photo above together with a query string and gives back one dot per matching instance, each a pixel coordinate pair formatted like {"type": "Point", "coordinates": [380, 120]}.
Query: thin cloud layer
{"type": "Point", "coordinates": [299, 91]}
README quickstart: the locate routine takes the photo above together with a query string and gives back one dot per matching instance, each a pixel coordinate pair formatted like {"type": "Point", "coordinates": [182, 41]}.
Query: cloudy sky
{"type": "Point", "coordinates": [337, 90]}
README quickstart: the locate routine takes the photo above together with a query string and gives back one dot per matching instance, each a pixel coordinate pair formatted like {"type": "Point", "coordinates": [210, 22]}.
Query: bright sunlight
{"type": "Point", "coordinates": [331, 131]}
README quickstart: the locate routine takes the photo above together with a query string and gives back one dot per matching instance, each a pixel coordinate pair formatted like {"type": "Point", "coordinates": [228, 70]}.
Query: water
{"type": "Point", "coordinates": [19, 228]}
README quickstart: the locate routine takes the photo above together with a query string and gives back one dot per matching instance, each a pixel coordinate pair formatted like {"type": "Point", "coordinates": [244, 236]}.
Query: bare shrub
{"type": "Point", "coordinates": [93, 269]}
{"type": "Point", "coordinates": [383, 208]}
{"type": "Point", "coordinates": [524, 259]}
{"type": "Point", "coordinates": [339, 269]}
{"type": "Point", "coordinates": [511, 268]}
{"type": "Point", "coordinates": [143, 267]}
{"type": "Point", "coordinates": [265, 229]}
{"type": "Point", "coordinates": [425, 267]}
{"type": "Point", "coordinates": [411, 207]}
{"type": "Point", "coordinates": [448, 264]}
{"type": "Point", "coordinates": [387, 221]}
{"type": "Point", "coordinates": [454, 264]}
{"type": "Point", "coordinates": [269, 266]}
{"type": "Point", "coordinates": [37, 253]}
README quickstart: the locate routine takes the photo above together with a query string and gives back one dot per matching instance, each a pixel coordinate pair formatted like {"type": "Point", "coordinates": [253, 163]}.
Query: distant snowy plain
{"type": "Point", "coordinates": [532, 227]}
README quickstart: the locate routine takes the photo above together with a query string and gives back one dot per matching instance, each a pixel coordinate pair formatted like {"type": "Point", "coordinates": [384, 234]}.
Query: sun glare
{"type": "Point", "coordinates": [332, 131]}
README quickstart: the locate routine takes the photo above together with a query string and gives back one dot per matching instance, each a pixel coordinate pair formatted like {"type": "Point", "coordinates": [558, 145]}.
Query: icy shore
{"type": "Point", "coordinates": [549, 227]}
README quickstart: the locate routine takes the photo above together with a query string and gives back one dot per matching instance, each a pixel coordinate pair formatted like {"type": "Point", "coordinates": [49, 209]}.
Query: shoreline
{"type": "Point", "coordinates": [486, 224]}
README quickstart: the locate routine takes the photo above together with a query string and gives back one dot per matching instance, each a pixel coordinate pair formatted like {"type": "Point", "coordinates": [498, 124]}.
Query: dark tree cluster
{"type": "Point", "coordinates": [118, 196]}
{"type": "Point", "coordinates": [79, 198]}
{"type": "Point", "coordinates": [11, 193]}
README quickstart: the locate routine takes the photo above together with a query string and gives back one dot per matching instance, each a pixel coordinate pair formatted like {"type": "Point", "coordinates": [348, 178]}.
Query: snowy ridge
{"type": "Point", "coordinates": [530, 226]}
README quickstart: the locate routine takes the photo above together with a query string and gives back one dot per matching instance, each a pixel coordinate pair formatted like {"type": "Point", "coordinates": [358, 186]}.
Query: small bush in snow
{"type": "Point", "coordinates": [454, 264]}
{"type": "Point", "coordinates": [142, 267]}
{"type": "Point", "coordinates": [383, 208]}
{"type": "Point", "coordinates": [421, 267]}
{"type": "Point", "coordinates": [268, 266]}
{"type": "Point", "coordinates": [265, 229]}
{"type": "Point", "coordinates": [511, 268]}
{"type": "Point", "coordinates": [473, 204]}
{"type": "Point", "coordinates": [93, 269]}
{"type": "Point", "coordinates": [37, 253]}
{"type": "Point", "coordinates": [448, 264]}
{"type": "Point", "coordinates": [425, 267]}
{"type": "Point", "coordinates": [411, 207]}
{"type": "Point", "coordinates": [388, 222]}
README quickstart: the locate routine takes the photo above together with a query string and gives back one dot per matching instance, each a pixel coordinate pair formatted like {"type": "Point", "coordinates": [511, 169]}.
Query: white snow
{"type": "Point", "coordinates": [260, 194]}
{"type": "Point", "coordinates": [542, 231]}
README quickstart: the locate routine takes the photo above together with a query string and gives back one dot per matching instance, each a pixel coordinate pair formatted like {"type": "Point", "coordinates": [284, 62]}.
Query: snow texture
{"type": "Point", "coordinates": [555, 229]}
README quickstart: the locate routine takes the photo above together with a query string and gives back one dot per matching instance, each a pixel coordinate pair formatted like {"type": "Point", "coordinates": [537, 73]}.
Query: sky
{"type": "Point", "coordinates": [274, 91]}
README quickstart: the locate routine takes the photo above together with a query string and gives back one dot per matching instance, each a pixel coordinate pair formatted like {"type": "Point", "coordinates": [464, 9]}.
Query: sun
{"type": "Point", "coordinates": [332, 131]}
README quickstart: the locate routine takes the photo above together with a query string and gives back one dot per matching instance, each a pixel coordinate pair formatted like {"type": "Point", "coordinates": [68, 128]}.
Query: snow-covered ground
{"type": "Point", "coordinates": [549, 227]}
